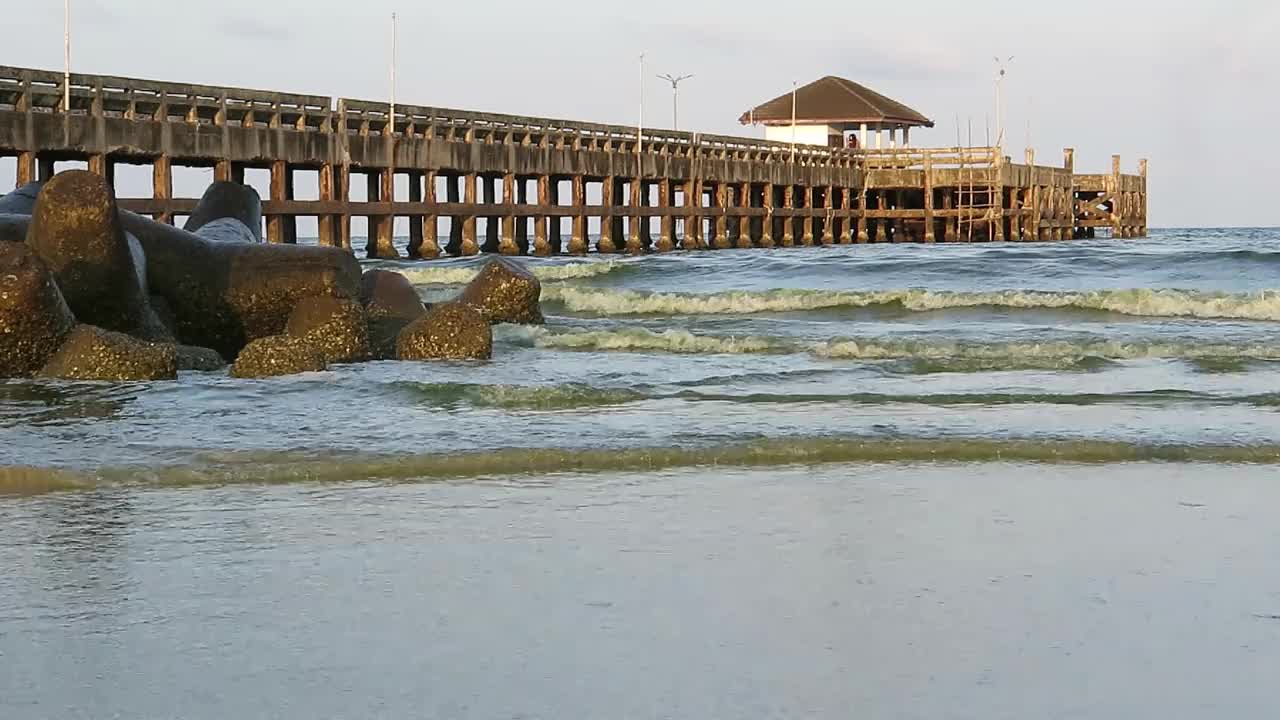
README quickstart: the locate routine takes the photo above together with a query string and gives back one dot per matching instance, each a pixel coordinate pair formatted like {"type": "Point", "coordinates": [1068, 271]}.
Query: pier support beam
{"type": "Point", "coordinates": [747, 224]}
{"type": "Point", "coordinates": [469, 244]}
{"type": "Point", "coordinates": [26, 170]}
{"type": "Point", "coordinates": [488, 184]}
{"type": "Point", "coordinates": [415, 221]}
{"type": "Point", "coordinates": [453, 195]}
{"type": "Point", "coordinates": [766, 223]}
{"type": "Point", "coordinates": [789, 219]}
{"type": "Point", "coordinates": [326, 224]}
{"type": "Point", "coordinates": [162, 186]}
{"type": "Point", "coordinates": [578, 239]}
{"type": "Point", "coordinates": [846, 222]}
{"type": "Point", "coordinates": [605, 244]}
{"type": "Point", "coordinates": [829, 222]}
{"type": "Point", "coordinates": [541, 242]}
{"type": "Point", "coordinates": [692, 239]}
{"type": "Point", "coordinates": [666, 227]}
{"type": "Point", "coordinates": [507, 241]}
{"type": "Point", "coordinates": [636, 244]}
{"type": "Point", "coordinates": [547, 195]}
{"type": "Point", "coordinates": [806, 236]}
{"type": "Point", "coordinates": [430, 243]}
{"type": "Point", "coordinates": [47, 168]}
{"type": "Point", "coordinates": [721, 232]}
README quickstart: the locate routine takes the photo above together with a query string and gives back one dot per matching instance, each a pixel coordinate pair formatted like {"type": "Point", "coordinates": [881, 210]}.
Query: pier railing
{"type": "Point", "coordinates": [730, 189]}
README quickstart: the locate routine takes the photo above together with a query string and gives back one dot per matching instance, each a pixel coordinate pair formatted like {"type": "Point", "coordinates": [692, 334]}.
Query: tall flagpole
{"type": "Point", "coordinates": [66, 56]}
{"type": "Point", "coordinates": [392, 116]}
{"type": "Point", "coordinates": [640, 126]}
{"type": "Point", "coordinates": [793, 120]}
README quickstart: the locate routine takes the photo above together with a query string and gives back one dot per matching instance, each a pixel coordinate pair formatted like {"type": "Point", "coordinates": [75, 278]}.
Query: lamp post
{"type": "Point", "coordinates": [66, 56]}
{"type": "Point", "coordinates": [1000, 73]}
{"type": "Point", "coordinates": [640, 125]}
{"type": "Point", "coordinates": [391, 116]}
{"type": "Point", "coordinates": [675, 81]}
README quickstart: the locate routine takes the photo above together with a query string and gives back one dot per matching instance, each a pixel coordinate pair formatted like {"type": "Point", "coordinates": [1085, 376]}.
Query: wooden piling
{"type": "Point", "coordinates": [666, 228]}
{"type": "Point", "coordinates": [766, 224]}
{"type": "Point", "coordinates": [162, 187]}
{"type": "Point", "coordinates": [635, 238]}
{"type": "Point", "coordinates": [507, 241]}
{"type": "Point", "coordinates": [469, 244]}
{"type": "Point", "coordinates": [578, 239]}
{"type": "Point", "coordinates": [541, 243]}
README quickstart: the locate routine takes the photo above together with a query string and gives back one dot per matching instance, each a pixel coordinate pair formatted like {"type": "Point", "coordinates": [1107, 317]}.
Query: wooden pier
{"type": "Point", "coordinates": [532, 177]}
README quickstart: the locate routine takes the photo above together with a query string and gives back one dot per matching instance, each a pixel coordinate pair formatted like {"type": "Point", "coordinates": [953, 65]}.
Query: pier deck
{"type": "Point", "coordinates": [531, 177]}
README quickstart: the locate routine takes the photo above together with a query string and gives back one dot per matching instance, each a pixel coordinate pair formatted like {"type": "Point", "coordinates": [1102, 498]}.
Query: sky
{"type": "Point", "coordinates": [1191, 87]}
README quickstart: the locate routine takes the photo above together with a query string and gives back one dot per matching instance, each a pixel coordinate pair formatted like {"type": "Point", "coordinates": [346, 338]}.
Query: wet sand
{"type": "Point", "coordinates": [983, 590]}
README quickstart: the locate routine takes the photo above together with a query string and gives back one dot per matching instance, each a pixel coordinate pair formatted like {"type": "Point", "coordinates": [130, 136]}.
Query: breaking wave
{"type": "Point", "coordinates": [1063, 354]}
{"type": "Point", "coordinates": [260, 467]}
{"type": "Point", "coordinates": [546, 273]}
{"type": "Point", "coordinates": [571, 396]}
{"type": "Point", "coordinates": [1263, 305]}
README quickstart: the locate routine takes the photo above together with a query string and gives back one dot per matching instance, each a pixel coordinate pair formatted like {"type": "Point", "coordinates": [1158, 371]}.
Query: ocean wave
{"type": "Point", "coordinates": [1263, 305]}
{"type": "Point", "coordinates": [262, 467]}
{"type": "Point", "coordinates": [944, 354]}
{"type": "Point", "coordinates": [569, 396]}
{"type": "Point", "coordinates": [676, 341]}
{"type": "Point", "coordinates": [545, 273]}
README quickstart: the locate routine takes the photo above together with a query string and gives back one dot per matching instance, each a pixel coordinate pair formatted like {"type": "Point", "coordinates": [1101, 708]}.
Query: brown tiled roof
{"type": "Point", "coordinates": [835, 100]}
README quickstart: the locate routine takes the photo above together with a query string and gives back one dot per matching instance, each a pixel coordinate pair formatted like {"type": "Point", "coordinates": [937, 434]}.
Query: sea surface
{"type": "Point", "coordinates": [899, 481]}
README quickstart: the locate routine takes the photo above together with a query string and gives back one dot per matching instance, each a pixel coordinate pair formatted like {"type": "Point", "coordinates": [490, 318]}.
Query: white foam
{"type": "Point", "coordinates": [545, 273]}
{"type": "Point", "coordinates": [1151, 303]}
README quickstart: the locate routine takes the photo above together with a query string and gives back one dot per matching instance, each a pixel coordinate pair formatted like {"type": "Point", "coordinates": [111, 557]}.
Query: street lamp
{"type": "Point", "coordinates": [1001, 72]}
{"type": "Point", "coordinates": [675, 81]}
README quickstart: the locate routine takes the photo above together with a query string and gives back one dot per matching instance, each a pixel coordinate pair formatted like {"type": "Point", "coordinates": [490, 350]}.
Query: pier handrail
{"type": "Point", "coordinates": [43, 91]}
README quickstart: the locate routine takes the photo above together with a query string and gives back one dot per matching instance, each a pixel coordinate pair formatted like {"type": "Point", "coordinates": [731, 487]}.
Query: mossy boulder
{"type": "Point", "coordinates": [448, 331]}
{"type": "Point", "coordinates": [76, 230]}
{"type": "Point", "coordinates": [338, 328]}
{"type": "Point", "coordinates": [278, 355]}
{"type": "Point", "coordinates": [92, 353]}
{"type": "Point", "coordinates": [505, 292]}
{"type": "Point", "coordinates": [34, 317]}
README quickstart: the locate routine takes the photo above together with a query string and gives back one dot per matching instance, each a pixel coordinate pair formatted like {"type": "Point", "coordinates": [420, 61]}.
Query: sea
{"type": "Point", "coordinates": [876, 481]}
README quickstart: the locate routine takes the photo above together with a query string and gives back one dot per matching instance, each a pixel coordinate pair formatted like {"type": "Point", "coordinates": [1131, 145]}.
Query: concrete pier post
{"type": "Point", "coordinates": [666, 227]}
{"type": "Point", "coordinates": [469, 244]}
{"type": "Point", "coordinates": [578, 239]}
{"type": "Point", "coordinates": [276, 193]}
{"type": "Point", "coordinates": [882, 224]}
{"type": "Point", "coordinates": [693, 221]}
{"type": "Point", "coordinates": [342, 193]}
{"type": "Point", "coordinates": [522, 220]}
{"type": "Point", "coordinates": [26, 170]}
{"type": "Point", "coordinates": [845, 236]}
{"type": "Point", "coordinates": [635, 238]}
{"type": "Point", "coordinates": [507, 241]}
{"type": "Point", "coordinates": [162, 186]}
{"type": "Point", "coordinates": [768, 224]}
{"type": "Point", "coordinates": [326, 223]}
{"type": "Point", "coordinates": [789, 220]}
{"type": "Point", "coordinates": [541, 241]}
{"type": "Point", "coordinates": [806, 236]}
{"type": "Point", "coordinates": [415, 218]}
{"type": "Point", "coordinates": [829, 222]}
{"type": "Point", "coordinates": [746, 223]}
{"type": "Point", "coordinates": [430, 243]}
{"type": "Point", "coordinates": [605, 244]}
{"type": "Point", "coordinates": [289, 222]}
{"type": "Point", "coordinates": [489, 185]}
{"type": "Point", "coordinates": [720, 240]}
{"type": "Point", "coordinates": [453, 195]}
